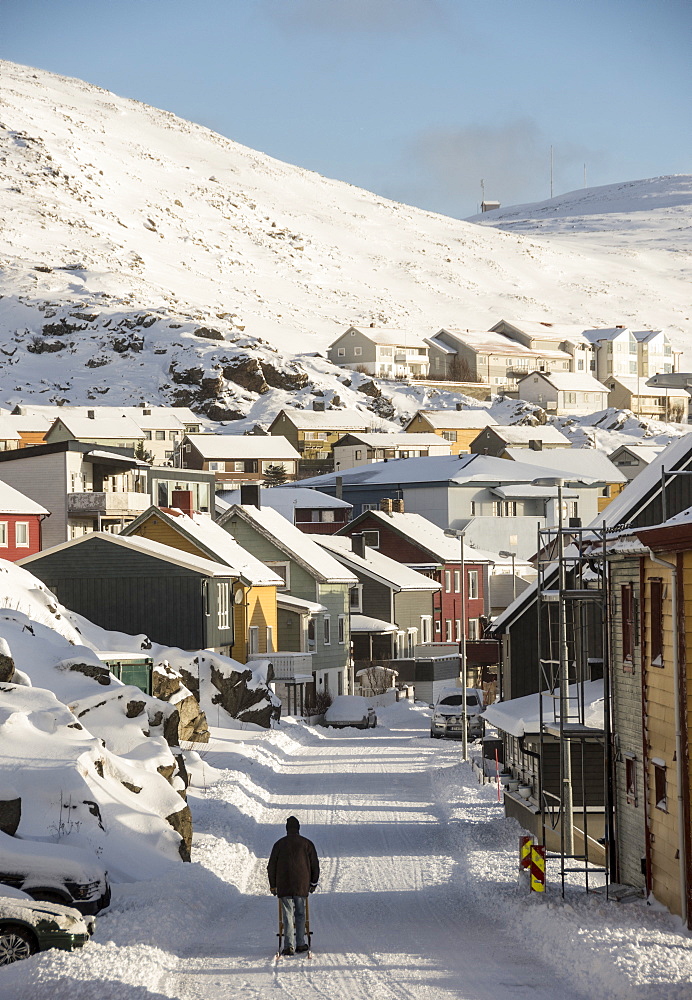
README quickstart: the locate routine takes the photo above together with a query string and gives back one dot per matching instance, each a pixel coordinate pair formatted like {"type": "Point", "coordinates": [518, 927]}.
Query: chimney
{"type": "Point", "coordinates": [386, 505]}
{"type": "Point", "coordinates": [318, 405]}
{"type": "Point", "coordinates": [535, 445]}
{"type": "Point", "coordinates": [358, 542]}
{"type": "Point", "coordinates": [339, 487]}
{"type": "Point", "coordinates": [91, 414]}
{"type": "Point", "coordinates": [250, 495]}
{"type": "Point", "coordinates": [182, 499]}
{"type": "Point", "coordinates": [460, 406]}
{"type": "Point", "coordinates": [398, 506]}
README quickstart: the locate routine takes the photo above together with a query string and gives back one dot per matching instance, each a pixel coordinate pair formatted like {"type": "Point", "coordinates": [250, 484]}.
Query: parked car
{"type": "Point", "coordinates": [447, 719]}
{"type": "Point", "coordinates": [27, 926]}
{"type": "Point", "coordinates": [350, 711]}
{"type": "Point", "coordinates": [54, 873]}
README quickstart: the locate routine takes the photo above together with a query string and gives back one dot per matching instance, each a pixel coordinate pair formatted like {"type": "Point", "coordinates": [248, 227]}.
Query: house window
{"type": "Point", "coordinates": [357, 351]}
{"type": "Point", "coordinates": [359, 454]}
{"type": "Point", "coordinates": [341, 352]}
{"type": "Point", "coordinates": [627, 599]}
{"type": "Point", "coordinates": [660, 790]}
{"type": "Point", "coordinates": [21, 534]}
{"type": "Point", "coordinates": [147, 435]}
{"type": "Point", "coordinates": [3, 534]}
{"type": "Point", "coordinates": [371, 539]}
{"type": "Point", "coordinates": [448, 630]}
{"type": "Point", "coordinates": [570, 398]}
{"type": "Point", "coordinates": [342, 629]}
{"type": "Point", "coordinates": [438, 626]}
{"type": "Point", "coordinates": [473, 584]}
{"type": "Point", "coordinates": [457, 581]}
{"type": "Point", "coordinates": [311, 635]}
{"type": "Point", "coordinates": [340, 682]}
{"type": "Point", "coordinates": [457, 630]}
{"type": "Point", "coordinates": [253, 639]}
{"type": "Point", "coordinates": [270, 639]}
{"type": "Point", "coordinates": [411, 640]}
{"type": "Point", "coordinates": [356, 597]}
{"type": "Point", "coordinates": [327, 622]}
{"type": "Point", "coordinates": [173, 435]}
{"type": "Point", "coordinates": [473, 629]}
{"type": "Point", "coordinates": [368, 506]}
{"type": "Point", "coordinates": [426, 628]}
{"type": "Point", "coordinates": [631, 780]}
{"type": "Point", "coordinates": [160, 435]}
{"type": "Point", "coordinates": [450, 436]}
{"type": "Point", "coordinates": [448, 581]}
{"type": "Point", "coordinates": [656, 644]}
{"type": "Point", "coordinates": [223, 600]}
{"type": "Point", "coordinates": [218, 466]}
{"type": "Point", "coordinates": [282, 569]}
{"type": "Point", "coordinates": [400, 645]}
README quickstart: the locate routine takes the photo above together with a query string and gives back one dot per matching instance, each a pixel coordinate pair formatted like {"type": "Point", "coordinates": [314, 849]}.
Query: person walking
{"type": "Point", "coordinates": [294, 871]}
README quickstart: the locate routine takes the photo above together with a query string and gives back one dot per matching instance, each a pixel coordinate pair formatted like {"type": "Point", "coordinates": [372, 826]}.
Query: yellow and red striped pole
{"type": "Point", "coordinates": [537, 868]}
{"type": "Point", "coordinates": [525, 845]}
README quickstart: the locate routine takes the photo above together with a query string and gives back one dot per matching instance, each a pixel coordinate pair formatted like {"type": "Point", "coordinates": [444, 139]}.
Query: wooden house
{"type": "Point", "coordinates": [313, 433]}
{"type": "Point", "coordinates": [380, 351]}
{"type": "Point", "coordinates": [563, 393]}
{"type": "Point", "coordinates": [20, 524]}
{"type": "Point", "coordinates": [137, 585]}
{"type": "Point", "coordinates": [254, 608]}
{"type": "Point", "coordinates": [630, 459]}
{"type": "Point", "coordinates": [458, 427]}
{"type": "Point", "coordinates": [313, 512]}
{"type": "Point", "coordinates": [94, 428]}
{"type": "Point", "coordinates": [489, 357]}
{"type": "Point", "coordinates": [238, 458]}
{"type": "Point", "coordinates": [365, 449]}
{"type": "Point", "coordinates": [496, 439]}
{"type": "Point", "coordinates": [629, 392]}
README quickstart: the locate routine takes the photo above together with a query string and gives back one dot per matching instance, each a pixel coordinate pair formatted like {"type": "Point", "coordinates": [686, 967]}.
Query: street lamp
{"type": "Point", "coordinates": [513, 557]}
{"type": "Point", "coordinates": [565, 749]}
{"type": "Point", "coordinates": [457, 533]}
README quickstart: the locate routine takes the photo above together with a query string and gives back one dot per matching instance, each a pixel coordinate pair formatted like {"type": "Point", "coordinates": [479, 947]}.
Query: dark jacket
{"type": "Point", "coordinates": [293, 866]}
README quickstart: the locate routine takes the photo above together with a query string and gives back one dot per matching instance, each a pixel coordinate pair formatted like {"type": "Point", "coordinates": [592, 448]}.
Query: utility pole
{"type": "Point", "coordinates": [462, 641]}
{"type": "Point", "coordinates": [565, 745]}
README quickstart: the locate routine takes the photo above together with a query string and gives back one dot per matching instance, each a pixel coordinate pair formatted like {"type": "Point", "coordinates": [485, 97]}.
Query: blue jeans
{"type": "Point", "coordinates": [293, 915]}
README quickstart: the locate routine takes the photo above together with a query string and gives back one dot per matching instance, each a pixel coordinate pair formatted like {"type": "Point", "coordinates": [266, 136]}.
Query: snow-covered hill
{"type": "Point", "coordinates": [147, 257]}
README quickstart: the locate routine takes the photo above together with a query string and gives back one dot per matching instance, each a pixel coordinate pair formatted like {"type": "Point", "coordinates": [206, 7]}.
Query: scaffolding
{"type": "Point", "coordinates": [573, 640]}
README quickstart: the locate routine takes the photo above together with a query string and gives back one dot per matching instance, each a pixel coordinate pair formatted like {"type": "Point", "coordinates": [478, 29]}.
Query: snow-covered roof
{"type": "Point", "coordinates": [147, 547]}
{"type": "Point", "coordinates": [440, 345]}
{"type": "Point", "coordinates": [113, 456]}
{"type": "Point", "coordinates": [14, 502]}
{"type": "Point", "coordinates": [456, 469]}
{"type": "Point", "coordinates": [364, 623]}
{"type": "Point", "coordinates": [492, 342]}
{"type": "Point", "coordinates": [291, 603]}
{"type": "Point", "coordinates": [522, 715]}
{"type": "Point", "coordinates": [570, 381]}
{"type": "Point", "coordinates": [443, 548]}
{"type": "Point", "coordinates": [347, 420]}
{"type": "Point", "coordinates": [644, 452]}
{"type": "Point", "coordinates": [644, 336]}
{"type": "Point", "coordinates": [584, 463]}
{"type": "Point", "coordinates": [375, 564]}
{"type": "Point", "coordinates": [522, 434]}
{"type": "Point", "coordinates": [387, 337]}
{"type": "Point", "coordinates": [29, 423]}
{"type": "Point", "coordinates": [291, 540]}
{"type": "Point", "coordinates": [8, 431]}
{"type": "Point", "coordinates": [456, 419]}
{"type": "Point", "coordinates": [638, 387]}
{"type": "Point", "coordinates": [243, 446]}
{"type": "Point", "coordinates": [606, 333]}
{"type": "Point", "coordinates": [110, 428]}
{"type": "Point", "coordinates": [537, 329]}
{"type": "Point", "coordinates": [529, 492]}
{"type": "Point", "coordinates": [396, 440]}
{"type": "Point", "coordinates": [285, 499]}
{"type": "Point", "coordinates": [218, 545]}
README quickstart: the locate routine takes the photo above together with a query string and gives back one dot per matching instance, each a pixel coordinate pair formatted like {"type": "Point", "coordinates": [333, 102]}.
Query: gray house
{"type": "Point", "coordinates": [312, 575]}
{"type": "Point", "coordinates": [380, 351]}
{"type": "Point", "coordinates": [490, 357]}
{"type": "Point", "coordinates": [495, 439]}
{"type": "Point", "coordinates": [138, 585]}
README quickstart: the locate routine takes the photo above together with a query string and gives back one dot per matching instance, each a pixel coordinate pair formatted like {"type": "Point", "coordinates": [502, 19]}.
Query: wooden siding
{"type": "Point", "coordinates": [44, 479]}
{"type": "Point", "coordinates": [628, 727]}
{"type": "Point", "coordinates": [157, 530]}
{"type": "Point", "coordinates": [11, 551]}
{"type": "Point", "coordinates": [465, 435]}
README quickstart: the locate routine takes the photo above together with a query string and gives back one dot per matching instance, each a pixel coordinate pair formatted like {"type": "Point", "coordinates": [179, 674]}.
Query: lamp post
{"type": "Point", "coordinates": [563, 674]}
{"type": "Point", "coordinates": [513, 556]}
{"type": "Point", "coordinates": [462, 640]}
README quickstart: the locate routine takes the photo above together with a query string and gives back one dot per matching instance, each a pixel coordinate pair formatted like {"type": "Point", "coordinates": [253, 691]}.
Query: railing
{"type": "Point", "coordinates": [107, 503]}
{"type": "Point", "coordinates": [287, 666]}
{"type": "Point", "coordinates": [434, 650]}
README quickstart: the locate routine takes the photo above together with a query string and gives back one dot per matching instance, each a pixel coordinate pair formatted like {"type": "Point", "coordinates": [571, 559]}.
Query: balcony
{"type": "Point", "coordinates": [287, 666]}
{"type": "Point", "coordinates": [107, 504]}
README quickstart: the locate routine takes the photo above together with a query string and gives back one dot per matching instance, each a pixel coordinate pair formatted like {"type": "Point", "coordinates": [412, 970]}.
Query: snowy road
{"type": "Point", "coordinates": [393, 917]}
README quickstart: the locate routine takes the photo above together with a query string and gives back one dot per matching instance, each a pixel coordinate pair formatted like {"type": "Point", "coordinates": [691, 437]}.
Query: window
{"type": "Point", "coordinates": [173, 435]}
{"type": "Point", "coordinates": [573, 509]}
{"type": "Point", "coordinates": [660, 791]}
{"type": "Point", "coordinates": [3, 534]}
{"type": "Point", "coordinates": [473, 632]}
{"type": "Point", "coordinates": [411, 640]}
{"type": "Point", "coordinates": [340, 682]}
{"type": "Point", "coordinates": [438, 626]}
{"type": "Point", "coordinates": [359, 454]}
{"type": "Point", "coordinates": [656, 601]}
{"type": "Point", "coordinates": [448, 630]}
{"type": "Point", "coordinates": [218, 466]}
{"type": "Point", "coordinates": [627, 602]}
{"type": "Point", "coordinates": [357, 351]}
{"type": "Point", "coordinates": [160, 435]}
{"type": "Point", "coordinates": [341, 352]}
{"type": "Point", "coordinates": [253, 639]}
{"type": "Point", "coordinates": [449, 436]}
{"type": "Point", "coordinates": [369, 506]}
{"type": "Point", "coordinates": [448, 581]}
{"type": "Point", "coordinates": [327, 623]}
{"type": "Point", "coordinates": [580, 365]}
{"type": "Point", "coordinates": [570, 398]}
{"type": "Point", "coordinates": [457, 630]}
{"type": "Point", "coordinates": [371, 539]}
{"type": "Point", "coordinates": [282, 569]}
{"type": "Point", "coordinates": [21, 534]}
{"type": "Point", "coordinates": [426, 628]}
{"type": "Point", "coordinates": [342, 629]}
{"type": "Point", "coordinates": [457, 581]}
{"type": "Point", "coordinates": [356, 597]}
{"type": "Point", "coordinates": [270, 639]}
{"type": "Point", "coordinates": [311, 635]}
{"type": "Point", "coordinates": [223, 600]}
{"type": "Point", "coordinates": [631, 780]}
{"type": "Point", "coordinates": [400, 645]}
{"type": "Point", "coordinates": [147, 435]}
{"type": "Point", "coordinates": [473, 584]}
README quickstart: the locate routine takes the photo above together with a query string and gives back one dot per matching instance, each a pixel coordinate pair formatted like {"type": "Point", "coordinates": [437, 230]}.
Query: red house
{"type": "Point", "coordinates": [414, 540]}
{"type": "Point", "coordinates": [20, 524]}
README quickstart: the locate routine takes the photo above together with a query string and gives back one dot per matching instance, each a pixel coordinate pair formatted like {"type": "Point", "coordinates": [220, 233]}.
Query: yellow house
{"type": "Point", "coordinates": [254, 608]}
{"type": "Point", "coordinates": [666, 644]}
{"type": "Point", "coordinates": [458, 427]}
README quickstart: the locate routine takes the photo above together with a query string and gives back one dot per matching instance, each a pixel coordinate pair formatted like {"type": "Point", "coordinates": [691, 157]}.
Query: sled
{"type": "Point", "coordinates": [280, 934]}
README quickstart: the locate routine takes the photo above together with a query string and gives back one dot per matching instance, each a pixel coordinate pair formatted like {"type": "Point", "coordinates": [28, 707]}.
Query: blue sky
{"type": "Point", "coordinates": [415, 99]}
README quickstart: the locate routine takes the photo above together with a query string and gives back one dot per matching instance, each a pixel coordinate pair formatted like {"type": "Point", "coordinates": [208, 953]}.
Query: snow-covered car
{"type": "Point", "coordinates": [27, 926]}
{"type": "Point", "coordinates": [350, 711]}
{"type": "Point", "coordinates": [448, 720]}
{"type": "Point", "coordinates": [54, 873]}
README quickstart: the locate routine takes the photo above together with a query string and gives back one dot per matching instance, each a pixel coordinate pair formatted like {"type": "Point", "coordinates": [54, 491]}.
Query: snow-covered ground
{"type": "Point", "coordinates": [419, 896]}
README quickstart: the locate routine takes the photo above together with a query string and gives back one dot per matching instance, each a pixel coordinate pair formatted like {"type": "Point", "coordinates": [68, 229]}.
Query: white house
{"type": "Point", "coordinates": [363, 449]}
{"type": "Point", "coordinates": [238, 458]}
{"type": "Point", "coordinates": [564, 393]}
{"type": "Point", "coordinates": [380, 351]}
{"type": "Point", "coordinates": [616, 351]}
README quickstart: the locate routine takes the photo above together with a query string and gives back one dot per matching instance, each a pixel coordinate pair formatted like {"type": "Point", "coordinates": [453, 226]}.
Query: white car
{"type": "Point", "coordinates": [350, 711]}
{"type": "Point", "coordinates": [447, 719]}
